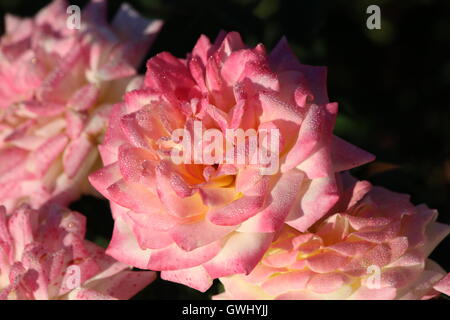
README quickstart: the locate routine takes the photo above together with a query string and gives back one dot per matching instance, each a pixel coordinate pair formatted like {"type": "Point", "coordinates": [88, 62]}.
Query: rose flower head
{"type": "Point", "coordinates": [58, 85]}
{"type": "Point", "coordinates": [207, 161]}
{"type": "Point", "coordinates": [43, 255]}
{"type": "Point", "coordinates": [375, 247]}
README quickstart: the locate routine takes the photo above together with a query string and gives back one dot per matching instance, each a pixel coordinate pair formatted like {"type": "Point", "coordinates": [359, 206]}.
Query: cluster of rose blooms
{"type": "Point", "coordinates": [75, 119]}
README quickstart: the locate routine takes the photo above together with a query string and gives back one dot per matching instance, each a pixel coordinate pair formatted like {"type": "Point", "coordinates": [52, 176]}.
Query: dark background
{"type": "Point", "coordinates": [392, 85]}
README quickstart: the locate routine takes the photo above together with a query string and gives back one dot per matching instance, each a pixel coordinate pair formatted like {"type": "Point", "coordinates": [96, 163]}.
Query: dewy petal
{"type": "Point", "coordinates": [353, 248]}
{"type": "Point", "coordinates": [103, 178]}
{"type": "Point", "coordinates": [248, 64]}
{"type": "Point", "coordinates": [42, 158]}
{"type": "Point", "coordinates": [75, 154]}
{"type": "Point", "coordinates": [177, 206]}
{"type": "Point", "coordinates": [422, 287]}
{"type": "Point", "coordinates": [282, 196]}
{"type": "Point", "coordinates": [237, 211]}
{"type": "Point", "coordinates": [238, 288]}
{"type": "Point", "coordinates": [327, 283]}
{"type": "Point", "coordinates": [326, 262]}
{"type": "Point", "coordinates": [296, 280]}
{"type": "Point", "coordinates": [139, 31]}
{"type": "Point", "coordinates": [141, 201]}
{"type": "Point", "coordinates": [319, 198]}
{"type": "Point", "coordinates": [240, 254]}
{"type": "Point", "coordinates": [444, 285]}
{"type": "Point", "coordinates": [168, 74]}
{"type": "Point", "coordinates": [131, 162]}
{"type": "Point", "coordinates": [147, 236]}
{"type": "Point", "coordinates": [435, 233]}
{"type": "Point", "coordinates": [195, 277]}
{"type": "Point", "coordinates": [254, 188]}
{"type": "Point", "coordinates": [123, 285]}
{"type": "Point", "coordinates": [365, 293]}
{"type": "Point", "coordinates": [315, 130]}
{"type": "Point", "coordinates": [230, 42]}
{"type": "Point", "coordinates": [10, 157]}
{"type": "Point", "coordinates": [125, 248]}
{"type": "Point", "coordinates": [189, 236]}
{"type": "Point", "coordinates": [21, 230]}
{"type": "Point", "coordinates": [201, 50]}
{"type": "Point", "coordinates": [174, 258]}
{"type": "Point", "coordinates": [69, 73]}
{"type": "Point", "coordinates": [84, 98]}
{"type": "Point", "coordinates": [282, 58]}
{"type": "Point", "coordinates": [347, 156]}
{"type": "Point", "coordinates": [76, 122]}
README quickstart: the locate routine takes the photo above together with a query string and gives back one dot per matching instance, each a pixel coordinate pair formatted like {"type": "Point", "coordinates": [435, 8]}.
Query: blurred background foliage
{"type": "Point", "coordinates": [392, 85]}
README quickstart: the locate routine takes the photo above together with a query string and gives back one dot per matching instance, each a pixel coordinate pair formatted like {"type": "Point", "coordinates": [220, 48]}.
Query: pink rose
{"type": "Point", "coordinates": [43, 255]}
{"type": "Point", "coordinates": [58, 85]}
{"type": "Point", "coordinates": [199, 221]}
{"type": "Point", "coordinates": [375, 247]}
